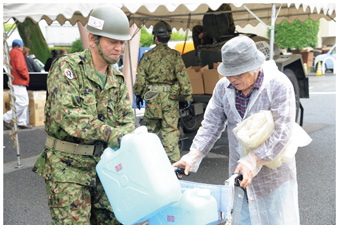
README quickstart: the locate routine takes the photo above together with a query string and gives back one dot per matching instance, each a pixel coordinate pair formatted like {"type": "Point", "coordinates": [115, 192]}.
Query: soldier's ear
{"type": "Point", "coordinates": [91, 40]}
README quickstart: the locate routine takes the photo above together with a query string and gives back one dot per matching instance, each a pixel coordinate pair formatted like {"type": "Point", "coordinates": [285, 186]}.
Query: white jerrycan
{"type": "Point", "coordinates": [196, 207]}
{"type": "Point", "coordinates": [138, 178]}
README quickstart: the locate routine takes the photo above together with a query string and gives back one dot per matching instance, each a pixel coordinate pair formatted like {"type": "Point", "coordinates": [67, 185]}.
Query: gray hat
{"type": "Point", "coordinates": [240, 55]}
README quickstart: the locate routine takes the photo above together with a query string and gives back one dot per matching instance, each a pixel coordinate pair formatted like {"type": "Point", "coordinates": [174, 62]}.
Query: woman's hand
{"type": "Point", "coordinates": [246, 173]}
{"type": "Point", "coordinates": [184, 165]}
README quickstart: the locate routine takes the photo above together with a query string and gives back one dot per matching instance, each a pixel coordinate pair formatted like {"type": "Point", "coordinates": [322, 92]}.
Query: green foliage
{"type": "Point", "coordinates": [76, 46]}
{"type": "Point", "coordinates": [59, 48]}
{"type": "Point", "coordinates": [146, 39]}
{"type": "Point", "coordinates": [177, 36]}
{"type": "Point", "coordinates": [296, 35]}
{"type": "Point", "coordinates": [33, 39]}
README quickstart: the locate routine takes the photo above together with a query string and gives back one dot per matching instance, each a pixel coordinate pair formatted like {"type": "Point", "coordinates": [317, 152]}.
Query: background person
{"type": "Point", "coordinates": [37, 62]}
{"type": "Point", "coordinates": [87, 109]}
{"type": "Point", "coordinates": [50, 60]}
{"type": "Point", "coordinates": [251, 85]}
{"type": "Point", "coordinates": [31, 65]}
{"type": "Point", "coordinates": [20, 84]}
{"type": "Point", "coordinates": [214, 26]}
{"type": "Point", "coordinates": [63, 52]}
{"type": "Point", "coordinates": [161, 78]}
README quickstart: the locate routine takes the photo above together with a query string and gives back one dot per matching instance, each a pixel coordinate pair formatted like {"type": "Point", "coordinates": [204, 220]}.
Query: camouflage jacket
{"type": "Point", "coordinates": [163, 65]}
{"type": "Point", "coordinates": [78, 110]}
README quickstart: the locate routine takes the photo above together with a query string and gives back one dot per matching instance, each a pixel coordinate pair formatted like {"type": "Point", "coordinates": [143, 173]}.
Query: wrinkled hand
{"type": "Point", "coordinates": [249, 166]}
{"type": "Point", "coordinates": [246, 173]}
{"type": "Point", "coordinates": [139, 102]}
{"type": "Point", "coordinates": [184, 165]}
{"type": "Point", "coordinates": [187, 104]}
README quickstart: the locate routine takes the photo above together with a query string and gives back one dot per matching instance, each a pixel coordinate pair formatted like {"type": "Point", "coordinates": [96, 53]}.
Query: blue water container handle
{"type": "Point", "coordinates": [181, 171]}
{"type": "Point", "coordinates": [238, 179]}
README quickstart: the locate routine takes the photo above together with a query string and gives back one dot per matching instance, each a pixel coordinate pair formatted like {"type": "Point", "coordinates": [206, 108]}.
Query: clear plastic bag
{"type": "Point", "coordinates": [253, 131]}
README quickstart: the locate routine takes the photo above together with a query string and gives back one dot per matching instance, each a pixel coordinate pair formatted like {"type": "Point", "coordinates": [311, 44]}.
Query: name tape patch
{"type": "Point", "coordinates": [96, 22]}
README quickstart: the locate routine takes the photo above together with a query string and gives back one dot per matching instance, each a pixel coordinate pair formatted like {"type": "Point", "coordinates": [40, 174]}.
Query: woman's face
{"type": "Point", "coordinates": [243, 82]}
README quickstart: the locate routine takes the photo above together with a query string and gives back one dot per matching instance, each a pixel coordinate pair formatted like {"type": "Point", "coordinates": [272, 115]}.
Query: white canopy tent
{"type": "Point", "coordinates": [175, 12]}
{"type": "Point", "coordinates": [179, 14]}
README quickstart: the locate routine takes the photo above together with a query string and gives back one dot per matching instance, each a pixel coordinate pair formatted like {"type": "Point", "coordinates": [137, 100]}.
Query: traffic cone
{"type": "Point", "coordinates": [305, 68]}
{"type": "Point", "coordinates": [319, 73]}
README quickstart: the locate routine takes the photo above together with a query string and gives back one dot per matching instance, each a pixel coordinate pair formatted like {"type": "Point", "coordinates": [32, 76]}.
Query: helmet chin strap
{"type": "Point", "coordinates": [106, 58]}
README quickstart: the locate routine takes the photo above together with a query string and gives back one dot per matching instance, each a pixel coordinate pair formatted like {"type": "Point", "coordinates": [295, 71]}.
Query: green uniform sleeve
{"type": "Point", "coordinates": [73, 110]}
{"type": "Point", "coordinates": [124, 117]}
{"type": "Point", "coordinates": [140, 82]}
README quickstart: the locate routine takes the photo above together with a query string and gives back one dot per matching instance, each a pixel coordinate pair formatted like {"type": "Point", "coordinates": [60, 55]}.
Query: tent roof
{"type": "Point", "coordinates": [175, 13]}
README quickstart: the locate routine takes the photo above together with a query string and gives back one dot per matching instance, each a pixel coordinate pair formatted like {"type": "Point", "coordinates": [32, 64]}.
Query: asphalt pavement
{"type": "Point", "coordinates": [25, 201]}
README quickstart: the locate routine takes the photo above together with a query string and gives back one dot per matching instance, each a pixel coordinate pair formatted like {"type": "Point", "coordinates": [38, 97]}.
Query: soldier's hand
{"type": "Point", "coordinates": [139, 102]}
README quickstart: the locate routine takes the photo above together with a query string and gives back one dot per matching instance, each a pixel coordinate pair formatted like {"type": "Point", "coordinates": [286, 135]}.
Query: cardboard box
{"type": "Point", "coordinates": [210, 78]}
{"type": "Point", "coordinates": [215, 65]}
{"type": "Point", "coordinates": [37, 100]}
{"type": "Point", "coordinates": [7, 101]}
{"type": "Point", "coordinates": [195, 74]}
{"type": "Point", "coordinates": [308, 57]}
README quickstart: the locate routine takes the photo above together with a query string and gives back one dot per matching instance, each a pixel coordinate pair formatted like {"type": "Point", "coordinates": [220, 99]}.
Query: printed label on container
{"type": "Point", "coordinates": [170, 218]}
{"type": "Point", "coordinates": [118, 167]}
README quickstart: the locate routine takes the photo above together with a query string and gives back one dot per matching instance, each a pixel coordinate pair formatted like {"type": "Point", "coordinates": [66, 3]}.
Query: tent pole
{"type": "Point", "coordinates": [131, 74]}
{"type": "Point", "coordinates": [10, 85]}
{"type": "Point", "coordinates": [272, 32]}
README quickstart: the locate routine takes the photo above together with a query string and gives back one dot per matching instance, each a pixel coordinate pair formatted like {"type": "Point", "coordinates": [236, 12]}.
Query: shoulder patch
{"type": "Point", "coordinates": [68, 73]}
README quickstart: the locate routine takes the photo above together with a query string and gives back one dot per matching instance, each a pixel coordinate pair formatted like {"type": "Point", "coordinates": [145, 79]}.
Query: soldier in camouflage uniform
{"type": "Point", "coordinates": [161, 78]}
{"type": "Point", "coordinates": [87, 109]}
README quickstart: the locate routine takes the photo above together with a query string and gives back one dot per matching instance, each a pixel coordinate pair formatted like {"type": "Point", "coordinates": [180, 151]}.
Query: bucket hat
{"type": "Point", "coordinates": [239, 55]}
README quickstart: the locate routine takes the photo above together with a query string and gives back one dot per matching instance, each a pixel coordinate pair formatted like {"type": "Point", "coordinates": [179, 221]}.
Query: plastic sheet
{"type": "Point", "coordinates": [256, 129]}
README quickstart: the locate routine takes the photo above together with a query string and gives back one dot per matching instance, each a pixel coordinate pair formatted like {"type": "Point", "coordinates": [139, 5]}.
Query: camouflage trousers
{"type": "Point", "coordinates": [167, 129]}
{"type": "Point", "coordinates": [74, 204]}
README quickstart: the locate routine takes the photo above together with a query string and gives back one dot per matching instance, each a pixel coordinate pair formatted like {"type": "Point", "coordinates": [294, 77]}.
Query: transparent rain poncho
{"type": "Point", "coordinates": [270, 187]}
{"type": "Point", "coordinates": [256, 129]}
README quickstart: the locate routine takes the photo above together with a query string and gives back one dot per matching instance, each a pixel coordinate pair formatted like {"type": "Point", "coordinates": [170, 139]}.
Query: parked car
{"type": "Point", "coordinates": [329, 63]}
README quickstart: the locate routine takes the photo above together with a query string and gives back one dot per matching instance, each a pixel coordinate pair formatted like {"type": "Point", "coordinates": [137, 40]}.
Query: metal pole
{"type": "Point", "coordinates": [10, 85]}
{"type": "Point", "coordinates": [272, 32]}
{"type": "Point", "coordinates": [130, 68]}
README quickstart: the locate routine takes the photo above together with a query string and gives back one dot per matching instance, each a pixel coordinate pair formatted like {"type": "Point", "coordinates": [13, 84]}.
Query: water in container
{"type": "Point", "coordinates": [138, 178]}
{"type": "Point", "coordinates": [196, 207]}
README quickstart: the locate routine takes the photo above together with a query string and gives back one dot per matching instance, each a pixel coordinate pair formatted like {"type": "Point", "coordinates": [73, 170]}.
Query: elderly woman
{"type": "Point", "coordinates": [251, 85]}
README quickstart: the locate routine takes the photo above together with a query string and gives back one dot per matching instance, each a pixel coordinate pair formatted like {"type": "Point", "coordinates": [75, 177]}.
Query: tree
{"type": "Point", "coordinates": [76, 46]}
{"type": "Point", "coordinates": [33, 38]}
{"type": "Point", "coordinates": [296, 35]}
{"type": "Point", "coordinates": [146, 39]}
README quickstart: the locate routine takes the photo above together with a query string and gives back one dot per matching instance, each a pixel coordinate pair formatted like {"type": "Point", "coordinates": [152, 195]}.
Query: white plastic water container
{"type": "Point", "coordinates": [138, 178]}
{"type": "Point", "coordinates": [196, 207]}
